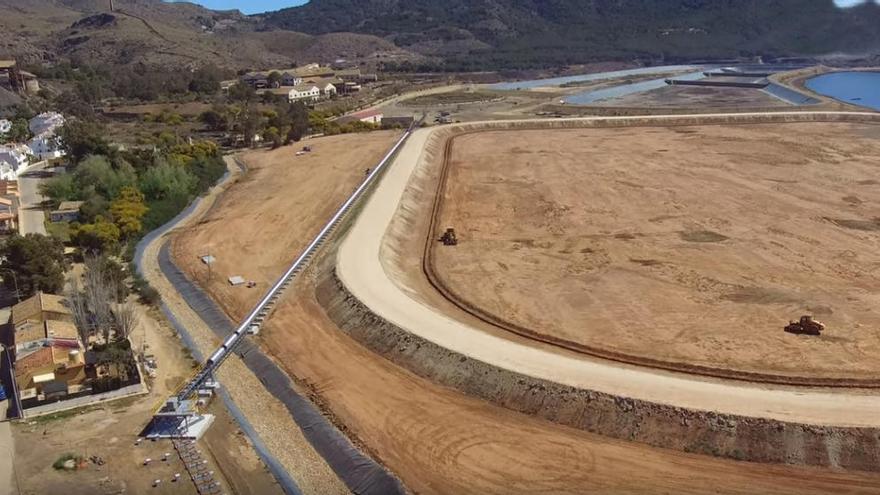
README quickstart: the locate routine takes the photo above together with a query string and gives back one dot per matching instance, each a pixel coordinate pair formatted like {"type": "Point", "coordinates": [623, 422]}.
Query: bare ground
{"type": "Point", "coordinates": [441, 441]}
{"type": "Point", "coordinates": [686, 244]}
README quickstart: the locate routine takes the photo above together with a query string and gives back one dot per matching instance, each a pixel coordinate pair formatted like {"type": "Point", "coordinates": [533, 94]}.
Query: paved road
{"type": "Point", "coordinates": [361, 270]}
{"type": "Point", "coordinates": [7, 480]}
{"type": "Point", "coordinates": [30, 217]}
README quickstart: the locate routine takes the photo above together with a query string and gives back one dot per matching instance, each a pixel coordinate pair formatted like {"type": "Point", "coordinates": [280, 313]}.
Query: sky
{"type": "Point", "coordinates": [257, 6]}
{"type": "Point", "coordinates": [248, 6]}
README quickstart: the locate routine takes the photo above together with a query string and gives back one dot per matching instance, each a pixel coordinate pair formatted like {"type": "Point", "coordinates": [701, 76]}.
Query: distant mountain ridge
{"type": "Point", "coordinates": [534, 32]}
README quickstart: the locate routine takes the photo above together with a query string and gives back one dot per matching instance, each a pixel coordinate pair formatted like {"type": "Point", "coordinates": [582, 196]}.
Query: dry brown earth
{"type": "Point", "coordinates": [438, 440]}
{"type": "Point", "coordinates": [691, 244]}
{"type": "Point", "coordinates": [287, 198]}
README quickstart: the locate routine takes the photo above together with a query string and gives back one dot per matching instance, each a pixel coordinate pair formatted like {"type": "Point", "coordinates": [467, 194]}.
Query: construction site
{"type": "Point", "coordinates": [548, 305]}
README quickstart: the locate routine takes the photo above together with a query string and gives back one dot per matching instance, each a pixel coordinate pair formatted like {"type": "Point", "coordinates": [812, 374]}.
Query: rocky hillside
{"type": "Point", "coordinates": [177, 34]}
{"type": "Point", "coordinates": [536, 32]}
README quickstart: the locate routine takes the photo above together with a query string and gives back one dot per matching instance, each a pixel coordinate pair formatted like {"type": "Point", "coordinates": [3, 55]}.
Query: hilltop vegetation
{"type": "Point", "coordinates": [474, 34]}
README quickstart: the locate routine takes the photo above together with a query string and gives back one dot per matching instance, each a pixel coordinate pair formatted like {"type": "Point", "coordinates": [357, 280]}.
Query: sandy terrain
{"type": "Point", "coordinates": [289, 197]}
{"type": "Point", "coordinates": [684, 244]}
{"type": "Point", "coordinates": [440, 441]}
{"type": "Point", "coordinates": [696, 96]}
{"type": "Point", "coordinates": [270, 419]}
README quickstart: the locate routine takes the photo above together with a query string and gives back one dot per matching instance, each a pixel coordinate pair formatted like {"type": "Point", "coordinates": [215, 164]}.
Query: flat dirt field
{"type": "Point", "coordinates": [697, 96]}
{"type": "Point", "coordinates": [435, 439]}
{"type": "Point", "coordinates": [289, 198]}
{"type": "Point", "coordinates": [684, 244]}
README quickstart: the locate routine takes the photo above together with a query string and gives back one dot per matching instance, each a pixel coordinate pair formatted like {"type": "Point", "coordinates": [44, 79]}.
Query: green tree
{"type": "Point", "coordinates": [128, 209]}
{"type": "Point", "coordinates": [80, 139]}
{"type": "Point", "coordinates": [164, 181]}
{"type": "Point", "coordinates": [59, 188]}
{"type": "Point", "coordinates": [36, 263]}
{"type": "Point", "coordinates": [242, 92]}
{"type": "Point", "coordinates": [215, 119]}
{"type": "Point", "coordinates": [100, 236]}
{"type": "Point", "coordinates": [274, 79]}
{"type": "Point", "coordinates": [273, 136]}
{"type": "Point", "coordinates": [206, 79]}
{"type": "Point", "coordinates": [108, 179]}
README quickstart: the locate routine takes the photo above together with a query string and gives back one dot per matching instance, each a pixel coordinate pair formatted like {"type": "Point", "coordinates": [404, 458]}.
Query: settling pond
{"type": "Point", "coordinates": [857, 88]}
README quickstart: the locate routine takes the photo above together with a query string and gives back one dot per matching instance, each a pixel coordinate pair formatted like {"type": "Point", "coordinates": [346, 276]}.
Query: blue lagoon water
{"type": "Point", "coordinates": [858, 88]}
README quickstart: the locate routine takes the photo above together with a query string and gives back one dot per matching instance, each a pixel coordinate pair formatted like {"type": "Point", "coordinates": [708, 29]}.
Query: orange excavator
{"type": "Point", "coordinates": [805, 326]}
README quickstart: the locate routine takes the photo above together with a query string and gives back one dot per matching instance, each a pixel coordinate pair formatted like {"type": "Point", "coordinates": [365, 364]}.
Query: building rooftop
{"type": "Point", "coordinates": [56, 329]}
{"type": "Point", "coordinates": [324, 81]}
{"type": "Point", "coordinates": [33, 364]}
{"type": "Point", "coordinates": [8, 187]}
{"type": "Point", "coordinates": [305, 87]}
{"type": "Point", "coordinates": [33, 307]}
{"type": "Point", "coordinates": [7, 64]}
{"type": "Point", "coordinates": [70, 206]}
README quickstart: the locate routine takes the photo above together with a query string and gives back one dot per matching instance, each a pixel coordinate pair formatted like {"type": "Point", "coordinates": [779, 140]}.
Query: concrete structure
{"type": "Point", "coordinates": [368, 116]}
{"type": "Point", "coordinates": [68, 211]}
{"type": "Point", "coordinates": [304, 92]}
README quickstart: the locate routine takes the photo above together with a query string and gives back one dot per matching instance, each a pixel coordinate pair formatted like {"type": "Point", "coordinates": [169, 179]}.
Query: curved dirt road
{"type": "Point", "coordinates": [361, 271]}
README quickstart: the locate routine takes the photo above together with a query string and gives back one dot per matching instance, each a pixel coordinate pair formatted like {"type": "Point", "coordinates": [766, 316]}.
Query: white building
{"type": "Point", "coordinates": [46, 146]}
{"type": "Point", "coordinates": [46, 122]}
{"type": "Point", "coordinates": [5, 126]}
{"type": "Point", "coordinates": [308, 92]}
{"type": "Point", "coordinates": [12, 159]}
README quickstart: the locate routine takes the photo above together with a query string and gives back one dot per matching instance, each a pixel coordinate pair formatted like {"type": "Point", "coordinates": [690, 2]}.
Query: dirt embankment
{"type": "Point", "coordinates": [740, 438]}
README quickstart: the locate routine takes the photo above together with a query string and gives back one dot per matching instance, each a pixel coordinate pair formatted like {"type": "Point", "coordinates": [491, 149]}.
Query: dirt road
{"type": "Point", "coordinates": [441, 441]}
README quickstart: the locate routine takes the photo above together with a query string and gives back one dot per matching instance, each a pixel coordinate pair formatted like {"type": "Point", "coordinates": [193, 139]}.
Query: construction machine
{"type": "Point", "coordinates": [448, 238]}
{"type": "Point", "coordinates": [805, 326]}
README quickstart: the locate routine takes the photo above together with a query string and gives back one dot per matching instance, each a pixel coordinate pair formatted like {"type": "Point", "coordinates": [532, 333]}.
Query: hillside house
{"type": "Point", "coordinates": [68, 211]}
{"type": "Point", "coordinates": [304, 92]}
{"type": "Point", "coordinates": [326, 85]}
{"type": "Point", "coordinates": [290, 79]}
{"type": "Point", "coordinates": [13, 158]}
{"type": "Point", "coordinates": [5, 126]}
{"type": "Point", "coordinates": [17, 80]}
{"type": "Point", "coordinates": [349, 75]}
{"type": "Point", "coordinates": [46, 146]}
